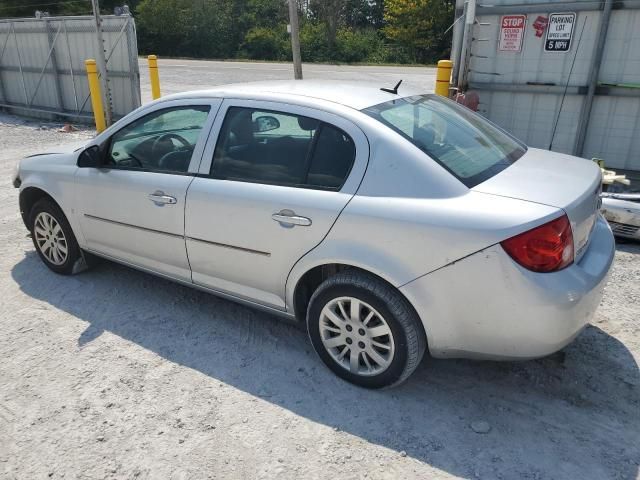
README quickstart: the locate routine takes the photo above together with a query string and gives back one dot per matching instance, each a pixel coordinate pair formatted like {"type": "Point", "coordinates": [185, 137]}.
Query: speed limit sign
{"type": "Point", "coordinates": [559, 32]}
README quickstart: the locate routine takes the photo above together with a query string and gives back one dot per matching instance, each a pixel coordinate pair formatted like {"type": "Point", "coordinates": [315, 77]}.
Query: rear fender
{"type": "Point", "coordinates": [401, 239]}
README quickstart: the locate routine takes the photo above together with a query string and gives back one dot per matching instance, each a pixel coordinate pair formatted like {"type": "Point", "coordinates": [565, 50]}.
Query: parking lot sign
{"type": "Point", "coordinates": [559, 32]}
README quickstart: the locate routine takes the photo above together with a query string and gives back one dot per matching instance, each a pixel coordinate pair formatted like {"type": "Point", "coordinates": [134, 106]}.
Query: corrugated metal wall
{"type": "Point", "coordinates": [523, 91]}
{"type": "Point", "coordinates": [42, 69]}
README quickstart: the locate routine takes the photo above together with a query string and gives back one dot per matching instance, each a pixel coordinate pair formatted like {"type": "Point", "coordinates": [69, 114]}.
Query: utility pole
{"type": "Point", "coordinates": [102, 64]}
{"type": "Point", "coordinates": [295, 39]}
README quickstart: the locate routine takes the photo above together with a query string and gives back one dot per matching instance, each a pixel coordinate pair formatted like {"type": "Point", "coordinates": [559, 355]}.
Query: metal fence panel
{"type": "Point", "coordinates": [621, 60]}
{"type": "Point", "coordinates": [42, 69]}
{"type": "Point", "coordinates": [522, 91]}
{"type": "Point", "coordinates": [614, 132]}
{"type": "Point", "coordinates": [532, 64]}
{"type": "Point", "coordinates": [531, 117]}
{"type": "Point", "coordinates": [499, 3]}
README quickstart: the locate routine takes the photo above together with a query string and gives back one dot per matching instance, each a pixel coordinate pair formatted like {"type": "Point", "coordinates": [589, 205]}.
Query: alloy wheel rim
{"type": "Point", "coordinates": [357, 337]}
{"type": "Point", "coordinates": [50, 238]}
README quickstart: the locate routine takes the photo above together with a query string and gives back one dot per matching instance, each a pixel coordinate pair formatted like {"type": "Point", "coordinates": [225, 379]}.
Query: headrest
{"type": "Point", "coordinates": [307, 123]}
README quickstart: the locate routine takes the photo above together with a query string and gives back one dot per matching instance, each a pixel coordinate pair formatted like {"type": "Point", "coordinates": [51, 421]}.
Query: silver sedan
{"type": "Point", "coordinates": [388, 223]}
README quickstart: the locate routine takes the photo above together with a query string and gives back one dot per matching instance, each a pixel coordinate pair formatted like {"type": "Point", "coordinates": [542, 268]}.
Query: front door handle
{"type": "Point", "coordinates": [160, 198]}
{"type": "Point", "coordinates": [289, 217]}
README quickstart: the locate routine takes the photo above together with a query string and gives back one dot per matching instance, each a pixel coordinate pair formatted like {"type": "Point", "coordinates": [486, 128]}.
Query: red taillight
{"type": "Point", "coordinates": [546, 248]}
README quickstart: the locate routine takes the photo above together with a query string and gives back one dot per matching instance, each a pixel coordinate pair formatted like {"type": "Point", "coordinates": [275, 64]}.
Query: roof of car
{"type": "Point", "coordinates": [356, 95]}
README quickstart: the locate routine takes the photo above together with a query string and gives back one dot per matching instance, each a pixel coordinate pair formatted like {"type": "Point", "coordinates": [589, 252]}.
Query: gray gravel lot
{"type": "Point", "coordinates": [177, 75]}
{"type": "Point", "coordinates": [114, 373]}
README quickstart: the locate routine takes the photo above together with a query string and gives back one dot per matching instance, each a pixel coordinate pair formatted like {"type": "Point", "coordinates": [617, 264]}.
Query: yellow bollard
{"type": "Point", "coordinates": [154, 76]}
{"type": "Point", "coordinates": [443, 77]}
{"type": "Point", "coordinates": [96, 94]}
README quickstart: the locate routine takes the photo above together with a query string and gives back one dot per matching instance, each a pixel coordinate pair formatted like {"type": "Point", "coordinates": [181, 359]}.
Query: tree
{"type": "Point", "coordinates": [266, 13]}
{"type": "Point", "coordinates": [377, 31]}
{"type": "Point", "coordinates": [196, 28]}
{"type": "Point", "coordinates": [331, 13]}
{"type": "Point", "coordinates": [262, 43]}
{"type": "Point", "coordinates": [364, 13]}
{"type": "Point", "coordinates": [419, 26]}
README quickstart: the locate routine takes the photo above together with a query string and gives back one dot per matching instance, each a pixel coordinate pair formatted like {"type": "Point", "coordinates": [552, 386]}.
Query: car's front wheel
{"type": "Point", "coordinates": [364, 330]}
{"type": "Point", "coordinates": [53, 238]}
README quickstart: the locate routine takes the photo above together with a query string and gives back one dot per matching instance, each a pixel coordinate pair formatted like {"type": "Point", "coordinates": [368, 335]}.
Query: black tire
{"type": "Point", "coordinates": [73, 250]}
{"type": "Point", "coordinates": [407, 331]}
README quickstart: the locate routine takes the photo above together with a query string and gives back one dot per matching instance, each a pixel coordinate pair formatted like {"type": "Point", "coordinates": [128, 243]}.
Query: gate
{"type": "Point", "coordinates": [559, 75]}
{"type": "Point", "coordinates": [42, 71]}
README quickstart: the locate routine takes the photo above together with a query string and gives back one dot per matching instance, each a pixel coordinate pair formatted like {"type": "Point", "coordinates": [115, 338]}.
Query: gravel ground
{"type": "Point", "coordinates": [179, 75]}
{"type": "Point", "coordinates": [114, 373]}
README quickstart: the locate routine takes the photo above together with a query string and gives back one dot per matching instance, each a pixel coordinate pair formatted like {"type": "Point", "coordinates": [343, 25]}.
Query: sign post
{"type": "Point", "coordinates": [559, 32]}
{"type": "Point", "coordinates": [512, 32]}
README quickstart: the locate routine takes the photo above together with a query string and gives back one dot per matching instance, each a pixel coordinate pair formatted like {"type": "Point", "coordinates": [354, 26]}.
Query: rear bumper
{"type": "Point", "coordinates": [488, 306]}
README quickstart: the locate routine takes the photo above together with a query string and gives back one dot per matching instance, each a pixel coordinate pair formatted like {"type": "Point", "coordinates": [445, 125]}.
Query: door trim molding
{"type": "Point", "coordinates": [232, 247]}
{"type": "Point", "coordinates": [175, 235]}
{"type": "Point", "coordinates": [137, 227]}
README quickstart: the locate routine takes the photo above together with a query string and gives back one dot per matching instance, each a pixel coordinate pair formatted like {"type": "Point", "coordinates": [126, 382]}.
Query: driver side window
{"type": "Point", "coordinates": [162, 141]}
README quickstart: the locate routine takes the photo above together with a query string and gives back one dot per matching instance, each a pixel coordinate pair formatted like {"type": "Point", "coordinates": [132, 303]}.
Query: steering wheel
{"type": "Point", "coordinates": [168, 136]}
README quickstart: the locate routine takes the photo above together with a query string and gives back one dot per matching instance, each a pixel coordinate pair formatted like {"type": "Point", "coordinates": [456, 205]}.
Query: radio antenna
{"type": "Point", "coordinates": [393, 90]}
{"type": "Point", "coordinates": [575, 54]}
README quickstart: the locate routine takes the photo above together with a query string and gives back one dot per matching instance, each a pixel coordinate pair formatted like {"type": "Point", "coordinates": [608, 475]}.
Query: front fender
{"type": "Point", "coordinates": [57, 180]}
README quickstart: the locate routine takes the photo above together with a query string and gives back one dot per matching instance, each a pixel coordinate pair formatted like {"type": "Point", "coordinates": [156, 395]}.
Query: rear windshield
{"type": "Point", "coordinates": [466, 144]}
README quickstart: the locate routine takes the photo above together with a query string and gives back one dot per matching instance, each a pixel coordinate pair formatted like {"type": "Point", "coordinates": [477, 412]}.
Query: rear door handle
{"type": "Point", "coordinates": [160, 198]}
{"type": "Point", "coordinates": [289, 217]}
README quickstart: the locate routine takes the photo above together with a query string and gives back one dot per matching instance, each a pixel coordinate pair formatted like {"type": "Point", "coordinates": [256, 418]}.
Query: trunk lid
{"type": "Point", "coordinates": [570, 183]}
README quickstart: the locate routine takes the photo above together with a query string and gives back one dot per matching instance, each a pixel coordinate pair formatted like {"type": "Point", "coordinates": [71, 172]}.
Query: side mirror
{"type": "Point", "coordinates": [265, 124]}
{"type": "Point", "coordinates": [90, 158]}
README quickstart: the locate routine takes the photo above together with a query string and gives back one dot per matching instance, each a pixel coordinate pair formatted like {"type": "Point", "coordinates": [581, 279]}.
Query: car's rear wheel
{"type": "Point", "coordinates": [364, 330]}
{"type": "Point", "coordinates": [53, 238]}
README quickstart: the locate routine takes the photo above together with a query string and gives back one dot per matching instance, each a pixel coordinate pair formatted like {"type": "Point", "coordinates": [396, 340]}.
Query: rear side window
{"type": "Point", "coordinates": [264, 146]}
{"type": "Point", "coordinates": [332, 158]}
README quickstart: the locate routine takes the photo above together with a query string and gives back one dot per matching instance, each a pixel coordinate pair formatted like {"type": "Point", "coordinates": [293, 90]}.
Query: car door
{"type": "Point", "coordinates": [273, 180]}
{"type": "Point", "coordinates": [132, 207]}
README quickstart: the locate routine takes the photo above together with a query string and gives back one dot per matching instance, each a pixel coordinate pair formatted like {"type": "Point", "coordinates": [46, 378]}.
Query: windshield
{"type": "Point", "coordinates": [463, 142]}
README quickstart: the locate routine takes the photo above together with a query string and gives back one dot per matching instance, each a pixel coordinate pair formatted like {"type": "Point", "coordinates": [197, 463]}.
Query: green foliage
{"type": "Point", "coordinates": [187, 28]}
{"type": "Point", "coordinates": [262, 43]}
{"type": "Point", "coordinates": [351, 46]}
{"type": "Point", "coordinates": [419, 26]}
{"type": "Point", "coordinates": [357, 45]}
{"type": "Point", "coordinates": [162, 25]}
{"type": "Point", "coordinates": [314, 46]}
{"type": "Point", "coordinates": [352, 31]}
{"type": "Point", "coordinates": [266, 13]}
